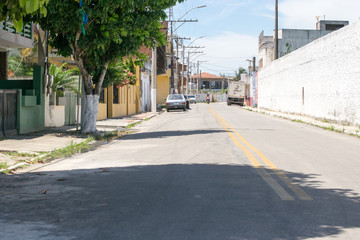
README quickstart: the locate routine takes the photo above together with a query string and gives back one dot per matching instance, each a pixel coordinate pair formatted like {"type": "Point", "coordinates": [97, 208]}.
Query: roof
{"type": "Point", "coordinates": [206, 75]}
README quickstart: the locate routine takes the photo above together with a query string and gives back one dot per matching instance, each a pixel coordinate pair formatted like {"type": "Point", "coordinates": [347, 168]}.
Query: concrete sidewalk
{"type": "Point", "coordinates": [51, 139]}
{"type": "Point", "coordinates": [347, 129]}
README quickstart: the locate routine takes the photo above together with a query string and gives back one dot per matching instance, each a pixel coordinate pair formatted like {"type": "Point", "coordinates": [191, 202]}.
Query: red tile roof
{"type": "Point", "coordinates": [206, 75]}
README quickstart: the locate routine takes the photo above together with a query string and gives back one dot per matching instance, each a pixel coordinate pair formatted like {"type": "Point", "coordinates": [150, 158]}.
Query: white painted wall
{"type": "Point", "coordinates": [329, 71]}
{"type": "Point", "coordinates": [145, 101]}
{"type": "Point", "coordinates": [54, 115]}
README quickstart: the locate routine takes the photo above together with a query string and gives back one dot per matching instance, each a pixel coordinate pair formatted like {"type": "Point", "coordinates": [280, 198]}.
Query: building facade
{"type": "Point", "coordinates": [292, 39]}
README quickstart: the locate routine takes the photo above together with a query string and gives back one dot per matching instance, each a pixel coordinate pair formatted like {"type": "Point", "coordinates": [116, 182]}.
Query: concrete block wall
{"type": "Point", "coordinates": [321, 79]}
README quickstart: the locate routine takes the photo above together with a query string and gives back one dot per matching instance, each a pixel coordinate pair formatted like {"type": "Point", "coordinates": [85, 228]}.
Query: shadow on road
{"type": "Point", "coordinates": [211, 202]}
{"type": "Point", "coordinates": [164, 134]}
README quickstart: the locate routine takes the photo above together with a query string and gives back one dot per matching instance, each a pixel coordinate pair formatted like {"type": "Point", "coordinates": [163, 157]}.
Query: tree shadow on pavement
{"type": "Point", "coordinates": [176, 202]}
{"type": "Point", "coordinates": [164, 134]}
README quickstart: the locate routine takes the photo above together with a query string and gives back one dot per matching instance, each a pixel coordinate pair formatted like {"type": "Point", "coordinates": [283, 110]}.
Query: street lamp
{"type": "Point", "coordinates": [195, 40]}
{"type": "Point", "coordinates": [186, 14]}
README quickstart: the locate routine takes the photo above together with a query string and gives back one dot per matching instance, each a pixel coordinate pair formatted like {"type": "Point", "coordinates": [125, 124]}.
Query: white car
{"type": "Point", "coordinates": [192, 98]}
{"type": "Point", "coordinates": [175, 101]}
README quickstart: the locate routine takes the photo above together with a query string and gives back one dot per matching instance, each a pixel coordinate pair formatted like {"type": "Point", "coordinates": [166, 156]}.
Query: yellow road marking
{"type": "Point", "coordinates": [259, 168]}
{"type": "Point", "coordinates": [296, 189]}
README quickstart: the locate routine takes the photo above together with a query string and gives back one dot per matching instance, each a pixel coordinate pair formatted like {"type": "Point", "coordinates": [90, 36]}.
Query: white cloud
{"type": "Point", "coordinates": [227, 52]}
{"type": "Point", "coordinates": [302, 14]}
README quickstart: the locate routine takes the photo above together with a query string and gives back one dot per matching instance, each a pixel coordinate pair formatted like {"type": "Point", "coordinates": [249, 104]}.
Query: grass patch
{"type": "Point", "coordinates": [107, 136]}
{"type": "Point", "coordinates": [331, 128]}
{"type": "Point", "coordinates": [132, 125]}
{"type": "Point", "coordinates": [3, 165]}
{"type": "Point", "coordinates": [66, 151]}
{"type": "Point", "coordinates": [325, 120]}
{"type": "Point", "coordinates": [297, 120]}
{"type": "Point", "coordinates": [19, 154]}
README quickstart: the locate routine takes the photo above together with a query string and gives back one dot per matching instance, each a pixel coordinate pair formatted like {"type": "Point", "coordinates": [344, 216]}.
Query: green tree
{"type": "Point", "coordinates": [20, 10]}
{"type": "Point", "coordinates": [120, 73]}
{"type": "Point", "coordinates": [20, 63]}
{"type": "Point", "coordinates": [115, 29]}
{"type": "Point", "coordinates": [64, 79]}
{"type": "Point", "coordinates": [238, 73]}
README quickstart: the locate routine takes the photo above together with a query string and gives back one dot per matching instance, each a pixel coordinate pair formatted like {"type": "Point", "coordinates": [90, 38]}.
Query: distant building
{"type": "Point", "coordinates": [292, 39]}
{"type": "Point", "coordinates": [209, 81]}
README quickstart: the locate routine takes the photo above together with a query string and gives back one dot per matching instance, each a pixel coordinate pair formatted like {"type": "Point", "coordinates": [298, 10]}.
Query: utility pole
{"type": "Point", "coordinates": [188, 68]}
{"type": "Point", "coordinates": [153, 79]}
{"type": "Point", "coordinates": [199, 81]}
{"type": "Point", "coordinates": [171, 14]}
{"type": "Point", "coordinates": [197, 76]}
{"type": "Point", "coordinates": [172, 80]}
{"type": "Point", "coordinates": [254, 64]}
{"type": "Point", "coordinates": [222, 83]}
{"type": "Point", "coordinates": [183, 71]}
{"type": "Point", "coordinates": [276, 47]}
{"type": "Point", "coordinates": [177, 78]}
{"type": "Point", "coordinates": [188, 73]}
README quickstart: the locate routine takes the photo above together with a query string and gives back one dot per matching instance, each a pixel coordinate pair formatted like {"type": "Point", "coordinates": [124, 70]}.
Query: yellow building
{"type": "Point", "coordinates": [120, 101]}
{"type": "Point", "coordinates": [162, 87]}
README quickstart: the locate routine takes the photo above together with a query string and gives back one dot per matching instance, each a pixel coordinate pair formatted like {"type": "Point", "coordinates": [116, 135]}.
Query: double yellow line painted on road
{"type": "Point", "coordinates": [283, 194]}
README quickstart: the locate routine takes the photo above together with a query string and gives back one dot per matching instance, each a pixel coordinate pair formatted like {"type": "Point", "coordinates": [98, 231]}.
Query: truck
{"type": "Point", "coordinates": [236, 93]}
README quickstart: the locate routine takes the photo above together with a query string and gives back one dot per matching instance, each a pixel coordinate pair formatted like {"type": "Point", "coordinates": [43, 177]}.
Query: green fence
{"type": "Point", "coordinates": [26, 32]}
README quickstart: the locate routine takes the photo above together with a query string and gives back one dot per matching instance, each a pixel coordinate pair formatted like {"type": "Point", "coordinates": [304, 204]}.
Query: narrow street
{"type": "Point", "coordinates": [214, 172]}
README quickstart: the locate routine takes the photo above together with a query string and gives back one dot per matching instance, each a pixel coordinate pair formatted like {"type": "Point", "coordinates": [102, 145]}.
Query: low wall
{"type": "Point", "coordinates": [215, 97]}
{"type": "Point", "coordinates": [55, 116]}
{"type": "Point", "coordinates": [321, 79]}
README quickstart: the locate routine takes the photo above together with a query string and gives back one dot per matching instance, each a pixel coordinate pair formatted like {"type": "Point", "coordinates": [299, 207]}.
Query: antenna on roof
{"type": "Point", "coordinates": [318, 18]}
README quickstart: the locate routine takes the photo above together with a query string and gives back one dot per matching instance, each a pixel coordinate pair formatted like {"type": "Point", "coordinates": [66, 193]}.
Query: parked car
{"type": "Point", "coordinates": [192, 98]}
{"type": "Point", "coordinates": [187, 101]}
{"type": "Point", "coordinates": [175, 101]}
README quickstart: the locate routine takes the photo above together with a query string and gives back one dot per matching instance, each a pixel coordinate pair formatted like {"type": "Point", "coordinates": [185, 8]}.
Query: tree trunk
{"type": "Point", "coordinates": [92, 94]}
{"type": "Point", "coordinates": [88, 123]}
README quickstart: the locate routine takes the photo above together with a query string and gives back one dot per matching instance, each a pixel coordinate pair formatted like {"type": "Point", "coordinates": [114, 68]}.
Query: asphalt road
{"type": "Point", "coordinates": [214, 172]}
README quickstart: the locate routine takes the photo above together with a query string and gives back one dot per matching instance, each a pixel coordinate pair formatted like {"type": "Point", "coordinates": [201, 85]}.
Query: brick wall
{"type": "Point", "coordinates": [321, 79]}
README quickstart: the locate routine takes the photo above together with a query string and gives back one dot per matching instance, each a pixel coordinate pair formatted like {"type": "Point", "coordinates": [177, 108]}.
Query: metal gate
{"type": "Point", "coordinates": [8, 112]}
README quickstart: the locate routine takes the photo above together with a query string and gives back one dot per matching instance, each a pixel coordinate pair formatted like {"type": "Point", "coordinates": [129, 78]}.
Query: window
{"type": "Point", "coordinates": [102, 96]}
{"type": "Point", "coordinates": [115, 94]}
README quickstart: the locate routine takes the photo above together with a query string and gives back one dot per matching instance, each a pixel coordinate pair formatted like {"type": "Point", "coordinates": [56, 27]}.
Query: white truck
{"type": "Point", "coordinates": [236, 93]}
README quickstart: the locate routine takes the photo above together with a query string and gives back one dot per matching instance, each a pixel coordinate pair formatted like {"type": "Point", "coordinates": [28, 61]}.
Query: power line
{"type": "Point", "coordinates": [229, 68]}
{"type": "Point", "coordinates": [228, 57]}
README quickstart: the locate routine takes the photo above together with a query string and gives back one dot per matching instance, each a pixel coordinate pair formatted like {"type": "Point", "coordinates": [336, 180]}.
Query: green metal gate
{"type": "Point", "coordinates": [8, 112]}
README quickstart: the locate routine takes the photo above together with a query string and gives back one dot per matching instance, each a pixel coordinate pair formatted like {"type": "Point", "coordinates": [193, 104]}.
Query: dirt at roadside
{"type": "Point", "coordinates": [11, 158]}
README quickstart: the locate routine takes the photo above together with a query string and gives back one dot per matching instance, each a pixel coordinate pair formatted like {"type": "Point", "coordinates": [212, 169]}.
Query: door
{"type": "Point", "coordinates": [8, 111]}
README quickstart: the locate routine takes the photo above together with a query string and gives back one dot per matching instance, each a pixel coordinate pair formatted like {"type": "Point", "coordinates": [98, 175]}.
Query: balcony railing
{"type": "Point", "coordinates": [26, 32]}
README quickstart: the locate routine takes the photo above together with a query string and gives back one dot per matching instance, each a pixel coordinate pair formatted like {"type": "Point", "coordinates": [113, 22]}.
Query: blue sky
{"type": "Point", "coordinates": [232, 27]}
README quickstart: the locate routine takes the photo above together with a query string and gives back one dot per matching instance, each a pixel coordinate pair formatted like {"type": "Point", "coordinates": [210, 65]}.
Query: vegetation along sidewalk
{"type": "Point", "coordinates": [53, 143]}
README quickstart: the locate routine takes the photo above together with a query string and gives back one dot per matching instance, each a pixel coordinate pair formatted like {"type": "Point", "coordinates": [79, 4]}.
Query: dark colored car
{"type": "Point", "coordinates": [187, 101]}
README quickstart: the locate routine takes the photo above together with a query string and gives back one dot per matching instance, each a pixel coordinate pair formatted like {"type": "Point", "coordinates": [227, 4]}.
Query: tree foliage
{"type": "Point", "coordinates": [120, 73]}
{"type": "Point", "coordinates": [64, 79]}
{"type": "Point", "coordinates": [20, 63]}
{"type": "Point", "coordinates": [115, 29]}
{"type": "Point", "coordinates": [238, 73]}
{"type": "Point", "coordinates": [20, 11]}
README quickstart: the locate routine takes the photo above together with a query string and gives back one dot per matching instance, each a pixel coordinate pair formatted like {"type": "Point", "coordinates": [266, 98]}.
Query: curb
{"type": "Point", "coordinates": [309, 121]}
{"type": "Point", "coordinates": [19, 165]}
